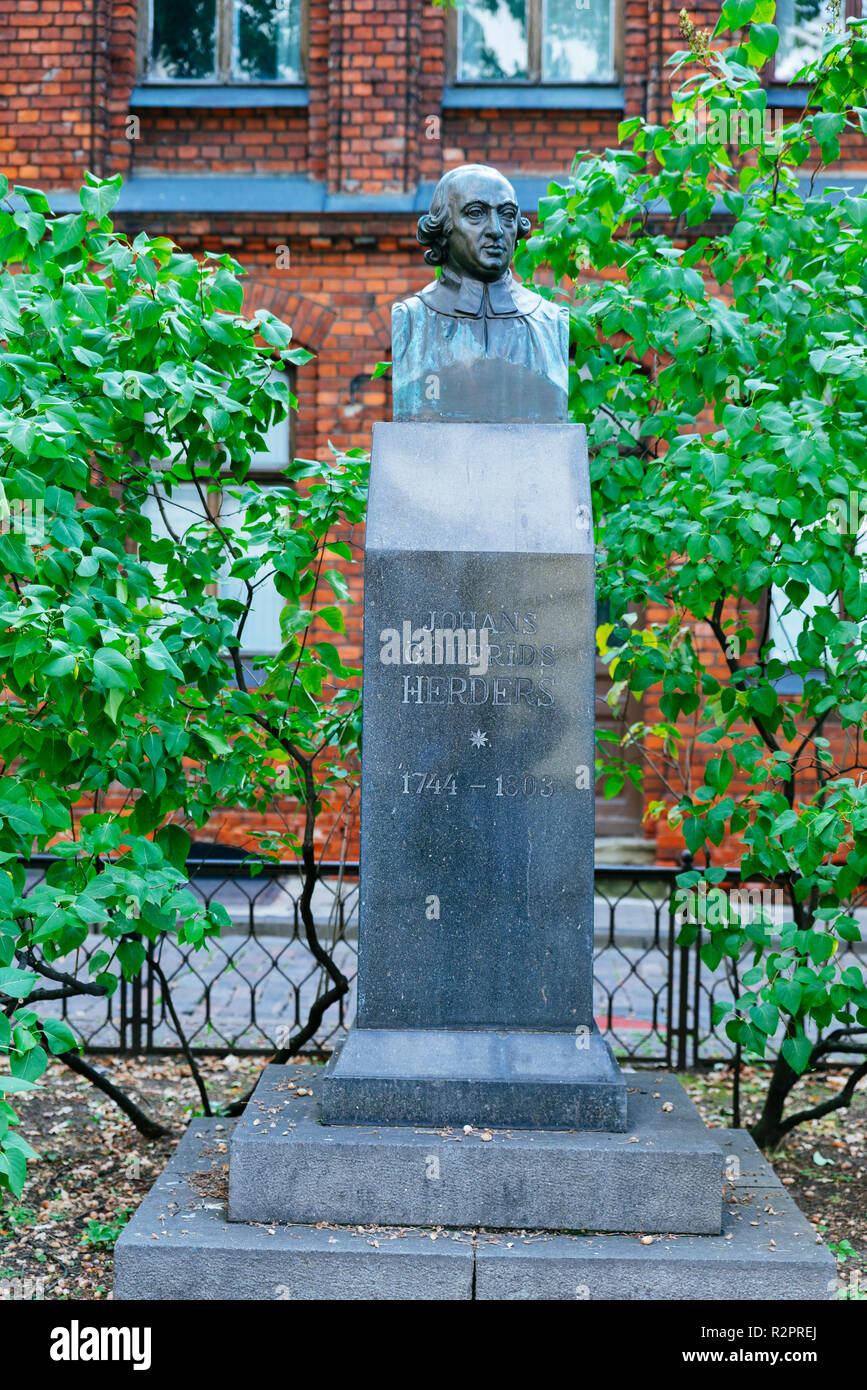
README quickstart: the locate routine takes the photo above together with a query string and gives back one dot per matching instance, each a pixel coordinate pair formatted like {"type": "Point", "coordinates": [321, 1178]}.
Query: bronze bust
{"type": "Point", "coordinates": [475, 344]}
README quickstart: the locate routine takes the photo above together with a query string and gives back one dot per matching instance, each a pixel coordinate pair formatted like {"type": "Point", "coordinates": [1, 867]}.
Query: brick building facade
{"type": "Point", "coordinates": [305, 136]}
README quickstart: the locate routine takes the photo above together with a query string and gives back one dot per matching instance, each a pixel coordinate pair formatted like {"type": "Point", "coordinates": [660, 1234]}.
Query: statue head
{"type": "Point", "coordinates": [474, 223]}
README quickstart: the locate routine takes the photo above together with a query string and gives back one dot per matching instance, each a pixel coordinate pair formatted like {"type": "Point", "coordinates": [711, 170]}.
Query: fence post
{"type": "Point", "coordinates": [135, 985]}
{"type": "Point", "coordinates": [683, 987]}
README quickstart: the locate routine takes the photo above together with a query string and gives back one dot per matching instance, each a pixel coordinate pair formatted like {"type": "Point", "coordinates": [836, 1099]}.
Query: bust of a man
{"type": "Point", "coordinates": [475, 344]}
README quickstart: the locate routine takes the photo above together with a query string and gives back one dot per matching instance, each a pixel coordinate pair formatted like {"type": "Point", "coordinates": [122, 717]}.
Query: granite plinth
{"type": "Point", "coordinates": [179, 1246]}
{"type": "Point", "coordinates": [665, 1173]}
{"type": "Point", "coordinates": [404, 1076]}
{"type": "Point", "coordinates": [476, 841]}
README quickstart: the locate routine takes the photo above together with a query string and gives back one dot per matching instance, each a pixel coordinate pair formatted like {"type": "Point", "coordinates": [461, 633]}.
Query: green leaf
{"type": "Point", "coordinates": [31, 1065]}
{"type": "Point", "coordinates": [99, 200]}
{"type": "Point", "coordinates": [60, 666]}
{"type": "Point", "coordinates": [174, 841]}
{"type": "Point", "coordinates": [766, 1017]}
{"type": "Point", "coordinates": [68, 231]}
{"type": "Point", "coordinates": [739, 421]}
{"type": "Point", "coordinates": [855, 209]}
{"type": "Point", "coordinates": [765, 38]}
{"type": "Point", "coordinates": [112, 669]}
{"type": "Point", "coordinates": [132, 955]}
{"type": "Point", "coordinates": [735, 14]}
{"type": "Point", "coordinates": [15, 1166]}
{"type": "Point", "coordinates": [15, 1141]}
{"type": "Point", "coordinates": [11, 1084]}
{"type": "Point", "coordinates": [820, 947]}
{"type": "Point", "coordinates": [214, 740]}
{"type": "Point", "coordinates": [330, 657]}
{"type": "Point", "coordinates": [797, 1052]}
{"type": "Point", "coordinates": [788, 994]}
{"type": "Point", "coordinates": [59, 1035]}
{"type": "Point", "coordinates": [159, 659]}
{"type": "Point", "coordinates": [333, 616]}
{"type": "Point", "coordinates": [17, 983]}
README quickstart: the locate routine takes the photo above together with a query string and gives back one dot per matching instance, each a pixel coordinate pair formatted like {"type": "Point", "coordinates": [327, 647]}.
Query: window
{"type": "Point", "coordinates": [786, 622]}
{"type": "Point", "coordinates": [177, 515]}
{"type": "Point", "coordinates": [532, 41]}
{"type": "Point", "coordinates": [221, 41]}
{"type": "Point", "coordinates": [802, 26]}
{"type": "Point", "coordinates": [261, 635]}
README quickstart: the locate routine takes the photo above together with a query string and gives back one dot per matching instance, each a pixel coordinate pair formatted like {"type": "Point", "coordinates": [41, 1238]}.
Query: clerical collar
{"type": "Point", "coordinates": [461, 294]}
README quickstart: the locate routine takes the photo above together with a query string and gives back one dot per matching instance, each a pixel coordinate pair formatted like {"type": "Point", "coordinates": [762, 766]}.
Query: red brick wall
{"type": "Point", "coordinates": [252, 141]}
{"type": "Point", "coordinates": [54, 59]}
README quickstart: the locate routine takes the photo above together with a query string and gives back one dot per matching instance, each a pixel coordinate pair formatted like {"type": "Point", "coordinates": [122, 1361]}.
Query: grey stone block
{"type": "Point", "coordinates": [179, 1246]}
{"type": "Point", "coordinates": [664, 1174]}
{"type": "Point", "coordinates": [479, 854]}
{"type": "Point", "coordinates": [767, 1251]}
{"type": "Point", "coordinates": [404, 1076]}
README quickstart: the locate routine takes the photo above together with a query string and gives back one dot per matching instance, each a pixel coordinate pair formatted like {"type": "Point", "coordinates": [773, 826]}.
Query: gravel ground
{"type": "Point", "coordinates": [95, 1168]}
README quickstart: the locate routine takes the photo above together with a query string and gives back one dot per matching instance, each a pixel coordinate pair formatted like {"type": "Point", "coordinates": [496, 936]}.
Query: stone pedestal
{"type": "Point", "coordinates": [476, 898]}
{"type": "Point", "coordinates": [442, 1215]}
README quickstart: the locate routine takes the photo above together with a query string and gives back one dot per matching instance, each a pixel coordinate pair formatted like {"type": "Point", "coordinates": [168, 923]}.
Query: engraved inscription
{"type": "Point", "coordinates": [460, 639]}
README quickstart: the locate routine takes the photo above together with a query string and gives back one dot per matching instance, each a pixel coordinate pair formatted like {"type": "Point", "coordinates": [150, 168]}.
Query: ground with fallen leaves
{"type": "Point", "coordinates": [95, 1168]}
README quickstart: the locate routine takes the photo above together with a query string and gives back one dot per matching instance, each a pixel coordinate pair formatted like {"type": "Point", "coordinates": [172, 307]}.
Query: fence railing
{"type": "Point", "coordinates": [253, 986]}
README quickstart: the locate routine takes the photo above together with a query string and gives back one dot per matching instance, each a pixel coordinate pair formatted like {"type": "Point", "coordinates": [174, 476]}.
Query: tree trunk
{"type": "Point", "coordinates": [769, 1128]}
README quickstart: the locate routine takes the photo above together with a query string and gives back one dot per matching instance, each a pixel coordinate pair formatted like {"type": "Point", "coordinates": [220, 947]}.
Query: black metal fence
{"type": "Point", "coordinates": [252, 987]}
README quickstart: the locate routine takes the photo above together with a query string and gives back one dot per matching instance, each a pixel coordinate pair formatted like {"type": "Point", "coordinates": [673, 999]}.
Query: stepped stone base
{"type": "Point", "coordinates": [181, 1246]}
{"type": "Point", "coordinates": [442, 1076]}
{"type": "Point", "coordinates": [665, 1173]}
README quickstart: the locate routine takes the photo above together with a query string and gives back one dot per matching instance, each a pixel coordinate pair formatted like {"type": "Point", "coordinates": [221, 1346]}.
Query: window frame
{"type": "Point", "coordinates": [223, 57]}
{"type": "Point", "coordinates": [535, 37]}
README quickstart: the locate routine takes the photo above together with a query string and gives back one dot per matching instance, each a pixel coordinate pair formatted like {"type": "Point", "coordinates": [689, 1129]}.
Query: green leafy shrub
{"type": "Point", "coordinates": [128, 715]}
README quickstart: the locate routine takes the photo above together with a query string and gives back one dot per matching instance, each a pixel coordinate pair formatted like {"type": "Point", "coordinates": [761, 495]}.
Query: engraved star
{"type": "Point", "coordinates": [479, 740]}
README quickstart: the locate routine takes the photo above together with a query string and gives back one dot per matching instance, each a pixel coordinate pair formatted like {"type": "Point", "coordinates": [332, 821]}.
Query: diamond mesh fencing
{"type": "Point", "coordinates": [251, 988]}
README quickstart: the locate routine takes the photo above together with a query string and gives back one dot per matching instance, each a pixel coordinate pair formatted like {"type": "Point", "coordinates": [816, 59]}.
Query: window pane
{"type": "Point", "coordinates": [493, 41]}
{"type": "Point", "coordinates": [266, 41]}
{"type": "Point", "coordinates": [177, 514]}
{"type": "Point", "coordinates": [802, 25]}
{"type": "Point", "coordinates": [275, 455]}
{"type": "Point", "coordinates": [262, 628]}
{"type": "Point", "coordinates": [174, 517]}
{"type": "Point", "coordinates": [184, 510]}
{"type": "Point", "coordinates": [278, 437]}
{"type": "Point", "coordinates": [576, 44]}
{"type": "Point", "coordinates": [184, 40]}
{"type": "Point", "coordinates": [787, 623]}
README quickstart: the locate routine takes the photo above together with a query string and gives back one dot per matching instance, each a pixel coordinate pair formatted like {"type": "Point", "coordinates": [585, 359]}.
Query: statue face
{"type": "Point", "coordinates": [484, 217]}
